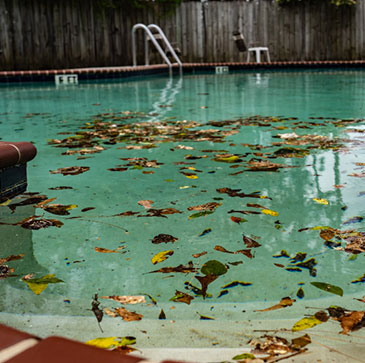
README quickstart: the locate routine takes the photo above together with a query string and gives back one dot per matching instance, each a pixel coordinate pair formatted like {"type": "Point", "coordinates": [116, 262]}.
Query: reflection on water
{"type": "Point", "coordinates": [38, 113]}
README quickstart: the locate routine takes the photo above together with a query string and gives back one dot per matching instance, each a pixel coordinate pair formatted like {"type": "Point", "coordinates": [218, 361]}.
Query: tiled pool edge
{"type": "Point", "coordinates": [129, 71]}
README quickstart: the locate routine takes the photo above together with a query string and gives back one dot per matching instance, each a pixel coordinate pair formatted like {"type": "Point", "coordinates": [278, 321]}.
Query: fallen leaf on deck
{"type": "Point", "coordinates": [328, 287]}
{"type": "Point", "coordinates": [40, 284]}
{"type": "Point", "coordinates": [164, 238]}
{"type": "Point", "coordinates": [352, 321]}
{"type": "Point", "coordinates": [111, 342]}
{"type": "Point", "coordinates": [70, 170]}
{"type": "Point", "coordinates": [127, 315]}
{"type": "Point", "coordinates": [161, 256]}
{"type": "Point", "coordinates": [182, 297]}
{"type": "Point", "coordinates": [138, 299]}
{"type": "Point", "coordinates": [284, 302]}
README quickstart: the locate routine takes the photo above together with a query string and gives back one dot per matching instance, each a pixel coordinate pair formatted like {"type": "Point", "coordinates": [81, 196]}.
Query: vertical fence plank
{"type": "Point", "coordinates": [67, 33]}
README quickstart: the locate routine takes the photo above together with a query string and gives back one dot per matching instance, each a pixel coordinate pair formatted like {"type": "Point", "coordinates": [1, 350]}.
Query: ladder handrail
{"type": "Point", "coordinates": [149, 36]}
{"type": "Point", "coordinates": [167, 43]}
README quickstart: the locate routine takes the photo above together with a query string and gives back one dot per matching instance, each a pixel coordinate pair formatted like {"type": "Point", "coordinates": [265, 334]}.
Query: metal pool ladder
{"type": "Point", "coordinates": [149, 36]}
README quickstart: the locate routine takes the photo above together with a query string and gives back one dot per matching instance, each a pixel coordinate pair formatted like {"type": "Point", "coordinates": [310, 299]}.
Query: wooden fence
{"type": "Point", "coordinates": [46, 34]}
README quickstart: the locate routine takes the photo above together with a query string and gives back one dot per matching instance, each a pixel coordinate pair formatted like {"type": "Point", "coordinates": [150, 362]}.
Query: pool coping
{"type": "Point", "coordinates": [130, 71]}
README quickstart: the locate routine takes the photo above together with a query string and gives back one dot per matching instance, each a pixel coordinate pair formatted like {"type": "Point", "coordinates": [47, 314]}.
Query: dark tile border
{"type": "Point", "coordinates": [124, 72]}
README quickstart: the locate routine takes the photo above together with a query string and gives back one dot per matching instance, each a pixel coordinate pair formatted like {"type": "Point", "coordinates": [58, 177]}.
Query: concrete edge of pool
{"type": "Point", "coordinates": [129, 71]}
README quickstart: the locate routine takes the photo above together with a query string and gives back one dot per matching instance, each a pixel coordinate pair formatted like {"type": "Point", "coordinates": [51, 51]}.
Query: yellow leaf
{"type": "Point", "coordinates": [228, 159]}
{"type": "Point", "coordinates": [192, 176]}
{"type": "Point", "coordinates": [110, 342]}
{"type": "Point", "coordinates": [5, 203]}
{"type": "Point", "coordinates": [270, 212]}
{"type": "Point", "coordinates": [191, 168]}
{"type": "Point", "coordinates": [321, 201]}
{"type": "Point", "coordinates": [319, 228]}
{"type": "Point", "coordinates": [306, 323]}
{"type": "Point", "coordinates": [36, 288]}
{"type": "Point", "coordinates": [161, 256]}
{"type": "Point", "coordinates": [71, 206]}
{"type": "Point", "coordinates": [184, 187]}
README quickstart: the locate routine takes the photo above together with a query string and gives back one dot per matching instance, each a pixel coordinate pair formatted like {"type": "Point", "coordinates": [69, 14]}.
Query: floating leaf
{"type": "Point", "coordinates": [162, 315]}
{"type": "Point", "coordinates": [328, 287]}
{"type": "Point", "coordinates": [269, 212]}
{"type": "Point", "coordinates": [59, 209]}
{"type": "Point", "coordinates": [213, 267]}
{"type": "Point", "coordinates": [321, 201]}
{"type": "Point", "coordinates": [284, 302]}
{"type": "Point", "coordinates": [360, 279]}
{"type": "Point", "coordinates": [306, 323]}
{"type": "Point", "coordinates": [164, 238]}
{"type": "Point", "coordinates": [182, 297]}
{"type": "Point", "coordinates": [327, 234]}
{"type": "Point", "coordinates": [111, 342]}
{"type": "Point", "coordinates": [181, 268]}
{"type": "Point", "coordinates": [222, 293]}
{"type": "Point", "coordinates": [211, 206]}
{"type": "Point", "coordinates": [200, 214]}
{"type": "Point", "coordinates": [238, 219]}
{"type": "Point", "coordinates": [106, 250]}
{"type": "Point", "coordinates": [352, 321]}
{"type": "Point", "coordinates": [300, 293]}
{"type": "Point", "coordinates": [249, 242]}
{"type": "Point", "coordinates": [146, 203]}
{"type": "Point", "coordinates": [282, 253]}
{"type": "Point", "coordinates": [40, 284]}
{"type": "Point", "coordinates": [36, 223]}
{"type": "Point", "coordinates": [204, 317]}
{"type": "Point", "coordinates": [70, 170]}
{"type": "Point", "coordinates": [206, 231]}
{"type": "Point", "coordinates": [301, 342]}
{"type": "Point", "coordinates": [222, 249]}
{"type": "Point", "coordinates": [161, 256]}
{"type": "Point", "coordinates": [196, 255]}
{"type": "Point", "coordinates": [11, 258]}
{"type": "Point", "coordinates": [356, 219]}
{"type": "Point", "coordinates": [227, 159]}
{"type": "Point", "coordinates": [96, 310]}
{"type": "Point", "coordinates": [126, 299]}
{"type": "Point", "coordinates": [236, 283]}
{"type": "Point", "coordinates": [205, 281]}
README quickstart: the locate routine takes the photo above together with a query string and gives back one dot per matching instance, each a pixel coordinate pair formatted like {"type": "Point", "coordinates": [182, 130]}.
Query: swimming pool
{"type": "Point", "coordinates": [261, 173]}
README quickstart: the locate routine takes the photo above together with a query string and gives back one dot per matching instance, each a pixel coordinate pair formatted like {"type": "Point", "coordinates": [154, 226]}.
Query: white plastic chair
{"type": "Point", "coordinates": [242, 47]}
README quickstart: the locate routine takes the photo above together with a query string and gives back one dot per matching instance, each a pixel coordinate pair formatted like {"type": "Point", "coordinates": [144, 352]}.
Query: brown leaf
{"type": "Point", "coordinates": [11, 258]}
{"type": "Point", "coordinates": [222, 249]}
{"type": "Point", "coordinates": [181, 268]}
{"type": "Point", "coordinates": [182, 297]}
{"type": "Point", "coordinates": [205, 281]}
{"type": "Point", "coordinates": [249, 242]}
{"type": "Point", "coordinates": [127, 315]}
{"type": "Point", "coordinates": [105, 250]}
{"type": "Point", "coordinates": [118, 169]}
{"type": "Point", "coordinates": [71, 170]}
{"type": "Point", "coordinates": [352, 321]}
{"type": "Point", "coordinates": [327, 234]}
{"type": "Point", "coordinates": [36, 223]}
{"type": "Point", "coordinates": [126, 214]}
{"type": "Point", "coordinates": [237, 219]}
{"type": "Point", "coordinates": [355, 244]}
{"type": "Point", "coordinates": [301, 342]}
{"type": "Point", "coordinates": [146, 203]}
{"type": "Point", "coordinates": [284, 302]}
{"type": "Point", "coordinates": [196, 255]}
{"type": "Point", "coordinates": [247, 253]}
{"type": "Point", "coordinates": [206, 207]}
{"type": "Point", "coordinates": [253, 205]}
{"type": "Point", "coordinates": [126, 299]}
{"type": "Point", "coordinates": [164, 238]}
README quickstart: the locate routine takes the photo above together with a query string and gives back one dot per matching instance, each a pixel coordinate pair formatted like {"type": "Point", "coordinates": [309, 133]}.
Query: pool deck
{"type": "Point", "coordinates": [130, 71]}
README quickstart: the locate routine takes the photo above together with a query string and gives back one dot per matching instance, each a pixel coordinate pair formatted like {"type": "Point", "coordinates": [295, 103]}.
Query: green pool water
{"type": "Point", "coordinates": [261, 106]}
